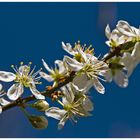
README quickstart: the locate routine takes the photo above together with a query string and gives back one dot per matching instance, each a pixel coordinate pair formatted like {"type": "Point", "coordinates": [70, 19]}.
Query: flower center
{"type": "Point", "coordinates": [23, 79]}
{"type": "Point", "coordinates": [89, 70]}
{"type": "Point", "coordinates": [68, 107]}
{"type": "Point", "coordinates": [25, 75]}
{"type": "Point", "coordinates": [57, 76]}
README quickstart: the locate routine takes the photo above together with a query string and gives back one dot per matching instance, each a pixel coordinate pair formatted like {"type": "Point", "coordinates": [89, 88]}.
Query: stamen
{"type": "Point", "coordinates": [12, 66]}
{"type": "Point", "coordinates": [36, 73]}
{"type": "Point", "coordinates": [32, 71]}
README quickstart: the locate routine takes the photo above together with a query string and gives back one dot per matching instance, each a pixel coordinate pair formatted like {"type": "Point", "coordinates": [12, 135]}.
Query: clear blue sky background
{"type": "Point", "coordinates": [32, 31]}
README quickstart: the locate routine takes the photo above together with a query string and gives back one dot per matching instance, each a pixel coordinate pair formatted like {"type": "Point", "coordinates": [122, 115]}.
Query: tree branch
{"type": "Point", "coordinates": [48, 93]}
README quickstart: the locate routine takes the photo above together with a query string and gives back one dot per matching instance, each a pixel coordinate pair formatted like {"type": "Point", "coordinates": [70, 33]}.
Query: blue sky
{"type": "Point", "coordinates": [32, 31]}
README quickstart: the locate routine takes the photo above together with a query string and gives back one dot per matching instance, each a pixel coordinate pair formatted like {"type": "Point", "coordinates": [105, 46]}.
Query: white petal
{"type": "Point", "coordinates": [136, 53]}
{"type": "Point", "coordinates": [47, 67]}
{"type": "Point", "coordinates": [68, 95]}
{"type": "Point", "coordinates": [15, 91]}
{"type": "Point", "coordinates": [82, 82]}
{"type": "Point", "coordinates": [4, 102]}
{"type": "Point", "coordinates": [88, 105]}
{"type": "Point", "coordinates": [107, 31]}
{"type": "Point", "coordinates": [55, 113]}
{"type": "Point", "coordinates": [36, 93]}
{"type": "Point", "coordinates": [121, 79]}
{"type": "Point", "coordinates": [98, 86]}
{"type": "Point", "coordinates": [128, 62]}
{"type": "Point", "coordinates": [0, 87]}
{"type": "Point", "coordinates": [125, 28]}
{"type": "Point", "coordinates": [71, 96]}
{"type": "Point", "coordinates": [62, 122]}
{"type": "Point", "coordinates": [73, 64]}
{"type": "Point", "coordinates": [108, 76]}
{"type": "Point", "coordinates": [75, 88]}
{"type": "Point", "coordinates": [61, 67]}
{"type": "Point", "coordinates": [0, 109]}
{"type": "Point", "coordinates": [68, 48]}
{"type": "Point", "coordinates": [46, 76]}
{"type": "Point", "coordinates": [24, 70]}
{"type": "Point", "coordinates": [7, 76]}
{"type": "Point", "coordinates": [108, 43]}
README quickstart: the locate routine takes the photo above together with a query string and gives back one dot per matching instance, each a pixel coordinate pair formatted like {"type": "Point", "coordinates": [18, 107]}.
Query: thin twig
{"type": "Point", "coordinates": [48, 93]}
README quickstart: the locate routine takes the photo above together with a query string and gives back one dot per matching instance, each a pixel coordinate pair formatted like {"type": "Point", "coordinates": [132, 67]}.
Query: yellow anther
{"type": "Point", "coordinates": [21, 63]}
{"type": "Point", "coordinates": [30, 63]}
{"type": "Point", "coordinates": [12, 66]}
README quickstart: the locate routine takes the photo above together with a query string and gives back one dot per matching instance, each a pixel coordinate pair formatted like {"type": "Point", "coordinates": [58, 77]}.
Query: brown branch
{"type": "Point", "coordinates": [48, 93]}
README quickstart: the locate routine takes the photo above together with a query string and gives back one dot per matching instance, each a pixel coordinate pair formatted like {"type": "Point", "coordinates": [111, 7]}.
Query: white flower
{"type": "Point", "coordinates": [124, 28]}
{"type": "Point", "coordinates": [57, 74]}
{"type": "Point", "coordinates": [119, 77]}
{"type": "Point", "coordinates": [91, 67]}
{"type": "Point", "coordinates": [75, 104]}
{"type": "Point", "coordinates": [23, 77]}
{"type": "Point", "coordinates": [78, 50]}
{"type": "Point", "coordinates": [130, 61]}
{"type": "Point", "coordinates": [115, 37]}
{"type": "Point", "coordinates": [117, 72]}
{"type": "Point", "coordinates": [3, 102]}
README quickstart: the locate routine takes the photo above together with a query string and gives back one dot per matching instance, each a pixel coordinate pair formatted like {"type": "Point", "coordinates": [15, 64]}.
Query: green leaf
{"type": "Point", "coordinates": [127, 46]}
{"type": "Point", "coordinates": [38, 122]}
{"type": "Point", "coordinates": [116, 66]}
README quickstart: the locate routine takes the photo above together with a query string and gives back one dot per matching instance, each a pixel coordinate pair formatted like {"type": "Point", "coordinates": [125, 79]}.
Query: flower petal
{"type": "Point", "coordinates": [68, 95]}
{"type": "Point", "coordinates": [88, 105]}
{"type": "Point", "coordinates": [15, 91]}
{"type": "Point", "coordinates": [125, 28]}
{"type": "Point", "coordinates": [128, 62]}
{"type": "Point", "coordinates": [47, 67]}
{"type": "Point", "coordinates": [108, 76]}
{"type": "Point", "coordinates": [107, 31]}
{"type": "Point", "coordinates": [0, 87]}
{"type": "Point", "coordinates": [46, 76]}
{"type": "Point", "coordinates": [68, 48]}
{"type": "Point", "coordinates": [24, 70]}
{"type": "Point", "coordinates": [0, 109]}
{"type": "Point", "coordinates": [61, 67]}
{"type": "Point", "coordinates": [82, 82]}
{"type": "Point", "coordinates": [36, 93]}
{"type": "Point", "coordinates": [62, 122]}
{"type": "Point", "coordinates": [7, 76]}
{"type": "Point", "coordinates": [121, 79]}
{"type": "Point", "coordinates": [4, 102]}
{"type": "Point", "coordinates": [72, 63]}
{"type": "Point", "coordinates": [136, 53]}
{"type": "Point", "coordinates": [98, 86]}
{"type": "Point", "coordinates": [55, 113]}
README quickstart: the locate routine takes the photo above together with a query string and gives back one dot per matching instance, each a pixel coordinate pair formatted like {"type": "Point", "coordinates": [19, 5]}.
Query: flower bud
{"type": "Point", "coordinates": [41, 105]}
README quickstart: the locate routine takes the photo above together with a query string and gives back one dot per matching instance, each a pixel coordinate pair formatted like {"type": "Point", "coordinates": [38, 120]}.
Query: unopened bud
{"type": "Point", "coordinates": [41, 105]}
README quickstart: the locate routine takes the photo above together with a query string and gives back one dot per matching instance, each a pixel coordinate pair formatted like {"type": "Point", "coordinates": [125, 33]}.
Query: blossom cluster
{"type": "Point", "coordinates": [89, 72]}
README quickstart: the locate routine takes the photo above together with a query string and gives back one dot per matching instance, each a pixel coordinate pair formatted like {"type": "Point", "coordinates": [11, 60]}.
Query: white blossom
{"type": "Point", "coordinates": [75, 104]}
{"type": "Point", "coordinates": [115, 38]}
{"type": "Point", "coordinates": [91, 67]}
{"type": "Point", "coordinates": [131, 60]}
{"type": "Point", "coordinates": [119, 77]}
{"type": "Point", "coordinates": [3, 102]}
{"type": "Point", "coordinates": [125, 29]}
{"type": "Point", "coordinates": [23, 77]}
{"type": "Point", "coordinates": [57, 74]}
